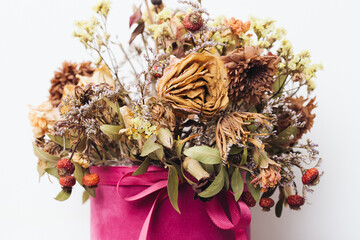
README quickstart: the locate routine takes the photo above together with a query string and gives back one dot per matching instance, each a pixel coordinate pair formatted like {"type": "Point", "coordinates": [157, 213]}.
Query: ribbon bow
{"type": "Point", "coordinates": [156, 181]}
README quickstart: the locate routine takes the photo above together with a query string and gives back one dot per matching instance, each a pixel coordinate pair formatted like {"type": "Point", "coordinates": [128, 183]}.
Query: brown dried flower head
{"type": "Point", "coordinates": [251, 75]}
{"type": "Point", "coordinates": [163, 115]}
{"type": "Point", "coordinates": [307, 117]}
{"type": "Point", "coordinates": [67, 75]}
{"type": "Point", "coordinates": [195, 84]}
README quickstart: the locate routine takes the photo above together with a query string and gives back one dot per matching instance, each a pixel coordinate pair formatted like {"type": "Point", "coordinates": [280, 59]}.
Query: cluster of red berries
{"type": "Point", "coordinates": [65, 170]}
{"type": "Point", "coordinates": [294, 201]}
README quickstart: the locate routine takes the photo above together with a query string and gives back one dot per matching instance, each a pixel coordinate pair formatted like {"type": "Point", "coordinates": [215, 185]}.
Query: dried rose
{"type": "Point", "coordinates": [195, 84]}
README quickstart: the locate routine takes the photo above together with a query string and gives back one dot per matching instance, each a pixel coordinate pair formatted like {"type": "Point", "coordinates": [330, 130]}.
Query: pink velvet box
{"type": "Point", "coordinates": [137, 207]}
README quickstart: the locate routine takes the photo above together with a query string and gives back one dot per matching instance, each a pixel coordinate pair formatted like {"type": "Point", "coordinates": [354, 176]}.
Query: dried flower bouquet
{"type": "Point", "coordinates": [208, 99]}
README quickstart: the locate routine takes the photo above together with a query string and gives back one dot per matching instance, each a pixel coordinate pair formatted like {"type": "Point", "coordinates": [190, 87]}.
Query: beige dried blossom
{"type": "Point", "coordinates": [195, 84]}
{"type": "Point", "coordinates": [269, 175]}
{"type": "Point", "coordinates": [43, 118]}
{"type": "Point", "coordinates": [81, 159]}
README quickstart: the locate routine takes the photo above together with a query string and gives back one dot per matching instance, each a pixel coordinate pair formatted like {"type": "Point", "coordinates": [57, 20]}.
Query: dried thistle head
{"type": "Point", "coordinates": [234, 128]}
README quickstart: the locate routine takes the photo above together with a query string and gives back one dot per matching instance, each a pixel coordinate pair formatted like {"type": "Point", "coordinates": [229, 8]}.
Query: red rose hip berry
{"type": "Point", "coordinates": [91, 180]}
{"type": "Point", "coordinates": [248, 199]}
{"type": "Point", "coordinates": [295, 201]}
{"type": "Point", "coordinates": [310, 175]}
{"type": "Point", "coordinates": [65, 167]}
{"type": "Point", "coordinates": [67, 182]}
{"type": "Point", "coordinates": [266, 204]}
{"type": "Point", "coordinates": [193, 22]}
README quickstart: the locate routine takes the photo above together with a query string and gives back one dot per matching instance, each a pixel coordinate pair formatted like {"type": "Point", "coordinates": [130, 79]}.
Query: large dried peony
{"type": "Point", "coordinates": [195, 84]}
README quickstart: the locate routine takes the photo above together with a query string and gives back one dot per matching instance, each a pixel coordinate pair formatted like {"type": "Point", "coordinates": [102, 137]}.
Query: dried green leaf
{"type": "Point", "coordinates": [78, 173]}
{"type": "Point", "coordinates": [63, 195]}
{"type": "Point", "coordinates": [85, 196]}
{"type": "Point", "coordinates": [44, 156]}
{"type": "Point", "coordinates": [255, 191]}
{"type": "Point", "coordinates": [53, 172]}
{"type": "Point", "coordinates": [279, 207]}
{"type": "Point", "coordinates": [91, 191]}
{"type": "Point", "coordinates": [216, 186]}
{"type": "Point", "coordinates": [235, 150]}
{"type": "Point", "coordinates": [286, 135]}
{"type": "Point", "coordinates": [165, 137]}
{"type": "Point", "coordinates": [204, 154]}
{"type": "Point", "coordinates": [62, 141]}
{"type": "Point", "coordinates": [112, 131]}
{"type": "Point", "coordinates": [237, 184]}
{"type": "Point", "coordinates": [244, 156]}
{"type": "Point", "coordinates": [268, 193]}
{"type": "Point", "coordinates": [143, 167]}
{"type": "Point", "coordinates": [178, 148]}
{"type": "Point", "coordinates": [279, 85]}
{"type": "Point", "coordinates": [150, 146]}
{"type": "Point", "coordinates": [173, 187]}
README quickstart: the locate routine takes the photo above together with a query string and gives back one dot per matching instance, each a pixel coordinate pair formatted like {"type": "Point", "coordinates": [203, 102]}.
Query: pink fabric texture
{"type": "Point", "coordinates": [138, 208]}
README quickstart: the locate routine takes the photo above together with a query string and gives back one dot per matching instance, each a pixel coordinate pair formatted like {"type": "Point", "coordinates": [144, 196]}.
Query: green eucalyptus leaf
{"type": "Point", "coordinates": [279, 207]}
{"type": "Point", "coordinates": [285, 136]}
{"type": "Point", "coordinates": [112, 131]}
{"type": "Point", "coordinates": [143, 167]}
{"type": "Point", "coordinates": [150, 146]}
{"type": "Point", "coordinates": [85, 197]}
{"type": "Point", "coordinates": [216, 186]}
{"type": "Point", "coordinates": [44, 156]}
{"type": "Point", "coordinates": [63, 195]}
{"type": "Point", "coordinates": [244, 156]}
{"type": "Point", "coordinates": [52, 172]}
{"type": "Point", "coordinates": [204, 154]}
{"type": "Point", "coordinates": [173, 187]}
{"type": "Point", "coordinates": [62, 141]}
{"type": "Point", "coordinates": [237, 184]}
{"type": "Point", "coordinates": [255, 191]}
{"type": "Point", "coordinates": [165, 137]}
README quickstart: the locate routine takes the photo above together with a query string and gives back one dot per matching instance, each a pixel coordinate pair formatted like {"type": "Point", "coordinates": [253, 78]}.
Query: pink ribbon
{"type": "Point", "coordinates": [156, 181]}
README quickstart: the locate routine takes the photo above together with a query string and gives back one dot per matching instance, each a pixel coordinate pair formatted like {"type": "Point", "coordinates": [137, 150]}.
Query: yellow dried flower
{"type": "Point", "coordinates": [102, 7]}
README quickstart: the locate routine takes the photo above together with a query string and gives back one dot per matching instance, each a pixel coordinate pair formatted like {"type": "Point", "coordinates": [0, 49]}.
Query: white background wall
{"type": "Point", "coordinates": [35, 37]}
